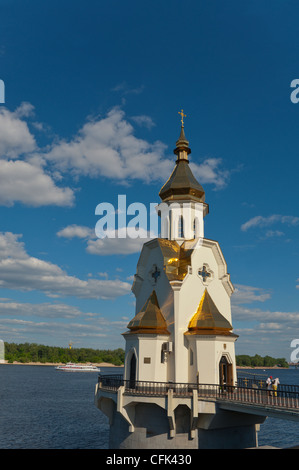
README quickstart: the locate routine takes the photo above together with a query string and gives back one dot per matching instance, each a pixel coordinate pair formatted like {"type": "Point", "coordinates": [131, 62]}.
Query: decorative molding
{"type": "Point", "coordinates": [205, 274]}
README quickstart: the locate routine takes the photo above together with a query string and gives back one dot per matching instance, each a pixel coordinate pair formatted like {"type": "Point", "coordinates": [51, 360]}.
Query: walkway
{"type": "Point", "coordinates": [253, 399]}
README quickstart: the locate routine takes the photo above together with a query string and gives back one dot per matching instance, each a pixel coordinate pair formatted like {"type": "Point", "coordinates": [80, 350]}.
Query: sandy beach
{"type": "Point", "coordinates": [97, 364]}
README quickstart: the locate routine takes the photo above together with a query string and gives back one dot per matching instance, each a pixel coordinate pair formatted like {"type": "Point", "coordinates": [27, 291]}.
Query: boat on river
{"type": "Point", "coordinates": [72, 367]}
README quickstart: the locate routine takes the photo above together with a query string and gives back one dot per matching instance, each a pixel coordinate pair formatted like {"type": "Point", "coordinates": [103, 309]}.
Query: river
{"type": "Point", "coordinates": [42, 408]}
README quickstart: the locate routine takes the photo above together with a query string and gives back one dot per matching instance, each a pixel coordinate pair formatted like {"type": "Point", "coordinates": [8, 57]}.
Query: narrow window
{"type": "Point", "coordinates": [191, 357]}
{"type": "Point", "coordinates": [181, 227]}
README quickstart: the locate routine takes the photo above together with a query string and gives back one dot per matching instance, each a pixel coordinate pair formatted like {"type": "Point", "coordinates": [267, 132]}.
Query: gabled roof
{"type": "Point", "coordinates": [150, 318]}
{"type": "Point", "coordinates": [208, 320]}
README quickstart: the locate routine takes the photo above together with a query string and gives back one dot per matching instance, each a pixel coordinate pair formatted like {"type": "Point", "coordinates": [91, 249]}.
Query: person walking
{"type": "Point", "coordinates": [275, 383]}
{"type": "Point", "coordinates": [269, 384]}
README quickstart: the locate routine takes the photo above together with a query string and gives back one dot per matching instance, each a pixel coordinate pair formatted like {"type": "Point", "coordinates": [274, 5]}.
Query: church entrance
{"type": "Point", "coordinates": [132, 382]}
{"type": "Point", "coordinates": [225, 372]}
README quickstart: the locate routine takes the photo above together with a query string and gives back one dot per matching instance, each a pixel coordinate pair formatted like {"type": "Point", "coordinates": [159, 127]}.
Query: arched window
{"type": "Point", "coordinates": [195, 227]}
{"type": "Point", "coordinates": [181, 227]}
{"type": "Point", "coordinates": [132, 381]}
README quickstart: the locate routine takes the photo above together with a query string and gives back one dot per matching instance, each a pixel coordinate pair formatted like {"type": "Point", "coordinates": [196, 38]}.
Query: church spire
{"type": "Point", "coordinates": [182, 149]}
{"type": "Point", "coordinates": [182, 185]}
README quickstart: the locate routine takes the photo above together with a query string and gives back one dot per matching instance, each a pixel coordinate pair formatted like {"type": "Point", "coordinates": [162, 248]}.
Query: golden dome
{"type": "Point", "coordinates": [182, 184]}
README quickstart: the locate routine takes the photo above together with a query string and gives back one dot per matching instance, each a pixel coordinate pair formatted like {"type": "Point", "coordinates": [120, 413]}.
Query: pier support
{"type": "Point", "coordinates": [169, 422]}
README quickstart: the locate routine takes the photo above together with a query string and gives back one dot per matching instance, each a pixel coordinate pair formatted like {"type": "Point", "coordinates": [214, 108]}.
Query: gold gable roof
{"type": "Point", "coordinates": [208, 320]}
{"type": "Point", "coordinates": [150, 318]}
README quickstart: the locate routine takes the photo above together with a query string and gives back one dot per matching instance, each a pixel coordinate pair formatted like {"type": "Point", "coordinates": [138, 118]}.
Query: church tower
{"type": "Point", "coordinates": [181, 337]}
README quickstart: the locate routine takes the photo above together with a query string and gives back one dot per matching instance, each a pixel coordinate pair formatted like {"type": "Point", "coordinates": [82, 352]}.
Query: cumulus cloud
{"type": "Point", "coordinates": [76, 231]}
{"type": "Point", "coordinates": [19, 270]}
{"type": "Point", "coordinates": [115, 246]}
{"type": "Point", "coordinates": [21, 181]}
{"type": "Point", "coordinates": [210, 172]}
{"type": "Point", "coordinates": [260, 221]}
{"type": "Point", "coordinates": [23, 177]}
{"type": "Point", "coordinates": [108, 147]}
{"type": "Point", "coordinates": [248, 294]}
{"type": "Point", "coordinates": [15, 136]}
{"type": "Point", "coordinates": [122, 243]}
{"type": "Point", "coordinates": [103, 147]}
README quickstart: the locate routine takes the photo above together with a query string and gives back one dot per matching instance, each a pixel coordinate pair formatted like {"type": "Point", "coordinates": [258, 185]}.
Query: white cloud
{"type": "Point", "coordinates": [210, 172]}
{"type": "Point", "coordinates": [273, 233]}
{"type": "Point", "coordinates": [126, 90]}
{"type": "Point", "coordinates": [108, 147]}
{"type": "Point", "coordinates": [23, 182]}
{"type": "Point", "coordinates": [79, 231]}
{"type": "Point", "coordinates": [46, 309]}
{"type": "Point", "coordinates": [248, 294]}
{"type": "Point", "coordinates": [260, 221]}
{"type": "Point", "coordinates": [247, 314]}
{"type": "Point", "coordinates": [115, 246]}
{"type": "Point", "coordinates": [264, 331]}
{"type": "Point", "coordinates": [87, 330]}
{"type": "Point", "coordinates": [15, 137]}
{"type": "Point", "coordinates": [19, 270]}
{"type": "Point", "coordinates": [104, 147]}
{"type": "Point", "coordinates": [143, 120]}
{"type": "Point", "coordinates": [24, 110]}
{"type": "Point", "coordinates": [121, 244]}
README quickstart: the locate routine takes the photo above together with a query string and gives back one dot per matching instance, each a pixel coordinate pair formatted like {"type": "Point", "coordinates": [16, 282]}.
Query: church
{"type": "Point", "coordinates": [181, 334]}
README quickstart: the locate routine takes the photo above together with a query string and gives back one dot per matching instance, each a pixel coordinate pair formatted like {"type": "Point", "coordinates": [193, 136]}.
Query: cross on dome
{"type": "Point", "coordinates": [182, 116]}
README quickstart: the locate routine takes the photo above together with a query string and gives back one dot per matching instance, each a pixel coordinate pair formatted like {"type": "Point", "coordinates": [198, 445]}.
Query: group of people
{"type": "Point", "coordinates": [272, 385]}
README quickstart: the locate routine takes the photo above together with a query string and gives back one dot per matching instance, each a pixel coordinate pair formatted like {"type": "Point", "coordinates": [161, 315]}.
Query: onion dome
{"type": "Point", "coordinates": [182, 185]}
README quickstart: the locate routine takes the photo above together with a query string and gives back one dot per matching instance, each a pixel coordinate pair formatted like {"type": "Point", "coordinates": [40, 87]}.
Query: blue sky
{"type": "Point", "coordinates": [92, 94]}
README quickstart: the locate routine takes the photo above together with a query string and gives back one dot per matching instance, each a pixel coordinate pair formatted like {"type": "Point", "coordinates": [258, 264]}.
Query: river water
{"type": "Point", "coordinates": [41, 408]}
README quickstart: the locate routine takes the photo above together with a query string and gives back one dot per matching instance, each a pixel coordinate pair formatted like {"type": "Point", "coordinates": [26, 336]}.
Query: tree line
{"type": "Point", "coordinates": [259, 361]}
{"type": "Point", "coordinates": [31, 352]}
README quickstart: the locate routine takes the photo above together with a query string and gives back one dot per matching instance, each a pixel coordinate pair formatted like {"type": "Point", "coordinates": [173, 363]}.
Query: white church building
{"type": "Point", "coordinates": [181, 334]}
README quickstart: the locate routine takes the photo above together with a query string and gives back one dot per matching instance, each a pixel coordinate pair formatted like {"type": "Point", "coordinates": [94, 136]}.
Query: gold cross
{"type": "Point", "coordinates": [182, 115]}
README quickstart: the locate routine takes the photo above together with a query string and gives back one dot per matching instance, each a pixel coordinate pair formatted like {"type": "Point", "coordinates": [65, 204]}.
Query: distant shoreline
{"type": "Point", "coordinates": [54, 364]}
{"type": "Point", "coordinates": [107, 364]}
{"type": "Point", "coordinates": [261, 367]}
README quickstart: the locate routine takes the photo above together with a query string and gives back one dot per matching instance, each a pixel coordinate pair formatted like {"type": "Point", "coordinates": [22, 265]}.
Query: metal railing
{"type": "Point", "coordinates": [287, 396]}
